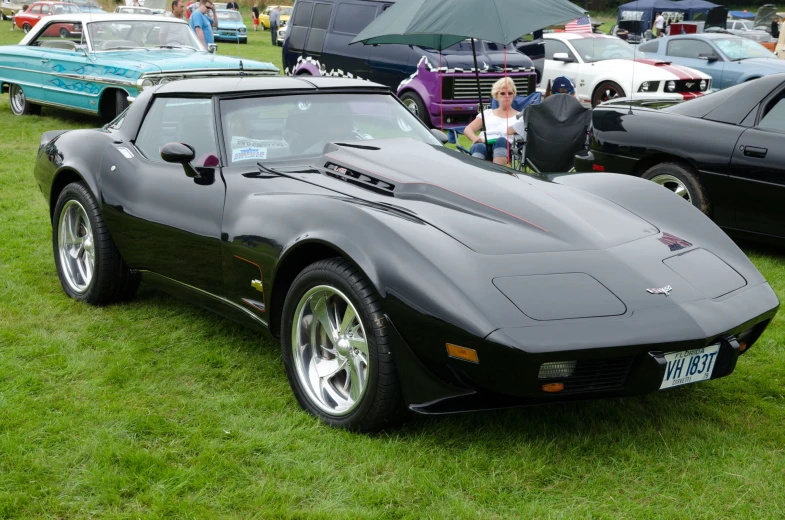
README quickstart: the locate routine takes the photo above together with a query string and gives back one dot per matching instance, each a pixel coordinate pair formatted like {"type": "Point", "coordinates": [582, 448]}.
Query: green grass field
{"type": "Point", "coordinates": [157, 409]}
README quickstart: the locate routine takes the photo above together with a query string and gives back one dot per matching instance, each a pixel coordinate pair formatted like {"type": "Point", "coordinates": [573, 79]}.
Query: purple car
{"type": "Point", "coordinates": [435, 87]}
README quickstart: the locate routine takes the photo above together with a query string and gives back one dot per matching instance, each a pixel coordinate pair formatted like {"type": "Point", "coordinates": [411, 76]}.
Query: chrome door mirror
{"type": "Point", "coordinates": [212, 48]}
{"type": "Point", "coordinates": [563, 57]}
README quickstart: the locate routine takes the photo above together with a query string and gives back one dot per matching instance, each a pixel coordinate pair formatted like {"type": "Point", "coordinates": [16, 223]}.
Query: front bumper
{"type": "Point", "coordinates": [616, 356]}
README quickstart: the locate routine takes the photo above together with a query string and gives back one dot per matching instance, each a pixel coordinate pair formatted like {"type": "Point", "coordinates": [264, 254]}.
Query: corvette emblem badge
{"type": "Point", "coordinates": [661, 290]}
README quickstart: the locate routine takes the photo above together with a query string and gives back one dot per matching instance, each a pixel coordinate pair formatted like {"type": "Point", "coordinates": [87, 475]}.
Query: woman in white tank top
{"type": "Point", "coordinates": [498, 125]}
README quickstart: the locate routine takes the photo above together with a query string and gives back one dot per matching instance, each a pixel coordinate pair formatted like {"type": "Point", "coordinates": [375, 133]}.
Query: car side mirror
{"type": "Point", "coordinates": [441, 136]}
{"type": "Point", "coordinates": [179, 153]}
{"type": "Point", "coordinates": [563, 57]}
{"type": "Point", "coordinates": [708, 57]}
{"type": "Point", "coordinates": [81, 48]}
{"type": "Point", "coordinates": [212, 48]}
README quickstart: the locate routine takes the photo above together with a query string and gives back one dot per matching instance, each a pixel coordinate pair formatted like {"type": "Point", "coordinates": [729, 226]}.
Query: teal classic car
{"type": "Point", "coordinates": [115, 58]}
{"type": "Point", "coordinates": [230, 27]}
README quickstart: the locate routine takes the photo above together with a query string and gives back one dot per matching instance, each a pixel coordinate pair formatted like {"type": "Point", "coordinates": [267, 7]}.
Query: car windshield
{"type": "Point", "coordinates": [599, 49]}
{"type": "Point", "coordinates": [65, 9]}
{"type": "Point", "coordinates": [742, 49]}
{"type": "Point", "coordinates": [282, 127]}
{"type": "Point", "coordinates": [233, 16]}
{"type": "Point", "coordinates": [141, 34]}
{"type": "Point", "coordinates": [747, 26]}
{"type": "Point", "coordinates": [286, 11]}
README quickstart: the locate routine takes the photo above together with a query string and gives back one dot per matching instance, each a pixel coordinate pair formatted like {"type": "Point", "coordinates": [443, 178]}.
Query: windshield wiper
{"type": "Point", "coordinates": [124, 49]}
{"type": "Point", "coordinates": [173, 47]}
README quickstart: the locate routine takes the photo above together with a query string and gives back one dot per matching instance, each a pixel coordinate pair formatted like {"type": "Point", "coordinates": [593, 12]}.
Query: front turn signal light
{"type": "Point", "coordinates": [462, 353]}
{"type": "Point", "coordinates": [552, 388]}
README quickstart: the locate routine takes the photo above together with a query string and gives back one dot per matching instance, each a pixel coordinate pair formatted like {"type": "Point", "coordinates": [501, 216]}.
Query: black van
{"type": "Point", "coordinates": [434, 87]}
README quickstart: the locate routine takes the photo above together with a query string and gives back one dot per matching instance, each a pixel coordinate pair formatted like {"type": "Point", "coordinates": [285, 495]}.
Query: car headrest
{"type": "Point", "coordinates": [58, 44]}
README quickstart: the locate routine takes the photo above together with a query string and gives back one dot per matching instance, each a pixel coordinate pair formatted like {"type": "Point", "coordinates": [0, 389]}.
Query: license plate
{"type": "Point", "coordinates": [689, 366]}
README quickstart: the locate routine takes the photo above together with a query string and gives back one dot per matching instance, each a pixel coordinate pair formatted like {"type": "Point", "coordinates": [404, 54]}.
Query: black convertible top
{"type": "Point", "coordinates": [234, 85]}
{"type": "Point", "coordinates": [732, 104]}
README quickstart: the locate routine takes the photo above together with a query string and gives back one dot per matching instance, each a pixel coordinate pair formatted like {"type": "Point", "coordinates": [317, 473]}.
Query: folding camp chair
{"type": "Point", "coordinates": [550, 134]}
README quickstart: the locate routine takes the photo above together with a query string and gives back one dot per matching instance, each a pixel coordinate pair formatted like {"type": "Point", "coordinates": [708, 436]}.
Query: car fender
{"type": "Point", "coordinates": [365, 234]}
{"type": "Point", "coordinates": [668, 212]}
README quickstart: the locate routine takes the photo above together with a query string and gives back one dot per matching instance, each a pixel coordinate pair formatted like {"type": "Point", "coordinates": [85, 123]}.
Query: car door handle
{"type": "Point", "coordinates": [754, 151]}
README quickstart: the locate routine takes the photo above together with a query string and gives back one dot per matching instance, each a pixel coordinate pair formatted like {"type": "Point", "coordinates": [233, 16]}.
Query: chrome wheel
{"type": "Point", "coordinates": [411, 105]}
{"type": "Point", "coordinates": [76, 246]}
{"type": "Point", "coordinates": [64, 33]}
{"type": "Point", "coordinates": [607, 94]}
{"type": "Point", "coordinates": [330, 350]}
{"type": "Point", "coordinates": [26, 28]}
{"type": "Point", "coordinates": [18, 101]}
{"type": "Point", "coordinates": [673, 184]}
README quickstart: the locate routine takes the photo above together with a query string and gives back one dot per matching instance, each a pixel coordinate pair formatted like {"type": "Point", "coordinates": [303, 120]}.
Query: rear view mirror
{"type": "Point", "coordinates": [441, 136]}
{"type": "Point", "coordinates": [563, 57]}
{"type": "Point", "coordinates": [709, 57]}
{"type": "Point", "coordinates": [179, 153]}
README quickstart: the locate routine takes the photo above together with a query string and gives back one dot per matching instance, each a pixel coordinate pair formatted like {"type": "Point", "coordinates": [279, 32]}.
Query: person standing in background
{"type": "Point", "coordinates": [178, 10]}
{"type": "Point", "coordinates": [202, 24]}
{"type": "Point", "coordinates": [775, 28]}
{"type": "Point", "coordinates": [659, 24]}
{"type": "Point", "coordinates": [275, 20]}
{"type": "Point", "coordinates": [231, 4]}
{"type": "Point", "coordinates": [255, 15]}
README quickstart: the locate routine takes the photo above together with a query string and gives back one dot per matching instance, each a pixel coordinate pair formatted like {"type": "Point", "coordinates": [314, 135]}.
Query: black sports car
{"type": "Point", "coordinates": [395, 272]}
{"type": "Point", "coordinates": [725, 153]}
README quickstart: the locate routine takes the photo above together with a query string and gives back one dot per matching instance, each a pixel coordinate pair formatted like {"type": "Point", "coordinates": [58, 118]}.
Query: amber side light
{"type": "Point", "coordinates": [553, 387]}
{"type": "Point", "coordinates": [462, 353]}
{"type": "Point", "coordinates": [742, 346]}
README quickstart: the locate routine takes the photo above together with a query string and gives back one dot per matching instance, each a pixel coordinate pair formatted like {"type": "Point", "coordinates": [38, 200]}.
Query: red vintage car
{"type": "Point", "coordinates": [39, 10]}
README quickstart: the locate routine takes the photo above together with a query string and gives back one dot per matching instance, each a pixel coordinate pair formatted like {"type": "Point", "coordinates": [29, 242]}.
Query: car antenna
{"type": "Point", "coordinates": [634, 65]}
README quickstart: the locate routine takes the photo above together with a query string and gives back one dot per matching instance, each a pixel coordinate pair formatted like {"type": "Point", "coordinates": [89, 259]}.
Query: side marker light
{"type": "Point", "coordinates": [598, 167]}
{"type": "Point", "coordinates": [462, 353]}
{"type": "Point", "coordinates": [553, 387]}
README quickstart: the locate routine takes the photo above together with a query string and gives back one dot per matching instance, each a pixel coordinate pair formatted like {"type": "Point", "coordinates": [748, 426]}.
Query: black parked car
{"type": "Point", "coordinates": [724, 153]}
{"type": "Point", "coordinates": [395, 272]}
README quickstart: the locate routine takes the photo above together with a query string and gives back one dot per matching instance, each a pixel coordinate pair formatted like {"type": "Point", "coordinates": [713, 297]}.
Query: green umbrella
{"type": "Point", "coordinates": [438, 24]}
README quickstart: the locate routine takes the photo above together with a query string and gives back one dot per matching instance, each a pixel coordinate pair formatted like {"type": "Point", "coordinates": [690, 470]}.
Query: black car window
{"type": "Point", "coordinates": [281, 127]}
{"type": "Point", "coordinates": [179, 120]}
{"type": "Point", "coordinates": [302, 15]}
{"type": "Point", "coordinates": [774, 114]}
{"type": "Point", "coordinates": [554, 46]}
{"type": "Point", "coordinates": [321, 16]}
{"type": "Point", "coordinates": [353, 18]}
{"type": "Point", "coordinates": [686, 48]}
{"type": "Point", "coordinates": [652, 47]}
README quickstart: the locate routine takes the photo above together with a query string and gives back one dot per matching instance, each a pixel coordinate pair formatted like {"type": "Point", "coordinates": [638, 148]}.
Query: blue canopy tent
{"type": "Point", "coordinates": [696, 9]}
{"type": "Point", "coordinates": [644, 10]}
{"type": "Point", "coordinates": [741, 15]}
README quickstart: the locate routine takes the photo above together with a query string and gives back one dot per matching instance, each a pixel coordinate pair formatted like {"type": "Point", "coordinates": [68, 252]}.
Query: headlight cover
{"type": "Point", "coordinates": [704, 84]}
{"type": "Point", "coordinates": [649, 86]}
{"type": "Point", "coordinates": [671, 85]}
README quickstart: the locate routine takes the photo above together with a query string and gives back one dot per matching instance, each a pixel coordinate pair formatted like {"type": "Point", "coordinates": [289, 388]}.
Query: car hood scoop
{"type": "Point", "coordinates": [478, 203]}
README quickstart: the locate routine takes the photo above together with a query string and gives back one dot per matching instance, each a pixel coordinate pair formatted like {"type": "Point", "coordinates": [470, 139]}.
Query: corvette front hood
{"type": "Point", "coordinates": [450, 191]}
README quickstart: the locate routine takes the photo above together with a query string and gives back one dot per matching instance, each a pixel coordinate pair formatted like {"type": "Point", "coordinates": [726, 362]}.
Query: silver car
{"type": "Point", "coordinates": [746, 29]}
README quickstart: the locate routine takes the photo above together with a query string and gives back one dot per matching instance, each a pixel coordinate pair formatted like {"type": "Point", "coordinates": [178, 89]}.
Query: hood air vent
{"type": "Point", "coordinates": [359, 179]}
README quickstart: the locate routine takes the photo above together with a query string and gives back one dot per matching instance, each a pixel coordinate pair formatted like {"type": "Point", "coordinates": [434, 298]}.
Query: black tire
{"type": "Point", "coordinates": [64, 33]}
{"type": "Point", "coordinates": [415, 104]}
{"type": "Point", "coordinates": [113, 103]}
{"type": "Point", "coordinates": [20, 105]}
{"type": "Point", "coordinates": [381, 405]}
{"type": "Point", "coordinates": [606, 91]}
{"type": "Point", "coordinates": [683, 181]}
{"type": "Point", "coordinates": [111, 280]}
{"type": "Point", "coordinates": [26, 28]}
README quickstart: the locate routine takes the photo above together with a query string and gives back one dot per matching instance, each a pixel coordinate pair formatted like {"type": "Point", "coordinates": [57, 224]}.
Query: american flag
{"type": "Point", "coordinates": [673, 242]}
{"type": "Point", "coordinates": [581, 25]}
